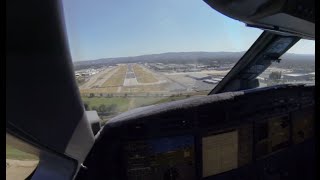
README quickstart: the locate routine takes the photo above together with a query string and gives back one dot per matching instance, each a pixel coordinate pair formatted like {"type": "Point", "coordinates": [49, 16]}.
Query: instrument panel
{"type": "Point", "coordinates": [265, 133]}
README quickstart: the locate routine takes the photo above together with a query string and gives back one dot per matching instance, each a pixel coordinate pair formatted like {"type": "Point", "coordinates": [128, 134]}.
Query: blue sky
{"type": "Point", "coordinates": [117, 28]}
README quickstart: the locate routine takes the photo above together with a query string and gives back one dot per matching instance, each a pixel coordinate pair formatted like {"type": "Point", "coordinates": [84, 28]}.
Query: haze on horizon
{"type": "Point", "coordinates": [112, 28]}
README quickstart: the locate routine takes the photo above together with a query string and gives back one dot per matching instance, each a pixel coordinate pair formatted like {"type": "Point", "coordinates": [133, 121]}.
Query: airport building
{"type": "Point", "coordinates": [211, 81]}
{"type": "Point", "coordinates": [297, 77]}
{"type": "Point", "coordinates": [198, 76]}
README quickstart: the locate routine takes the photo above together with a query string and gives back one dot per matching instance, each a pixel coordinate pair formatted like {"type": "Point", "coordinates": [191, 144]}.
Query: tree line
{"type": "Point", "coordinates": [102, 108]}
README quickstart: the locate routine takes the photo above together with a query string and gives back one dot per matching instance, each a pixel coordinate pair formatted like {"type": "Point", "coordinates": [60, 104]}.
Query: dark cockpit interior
{"type": "Point", "coordinates": [235, 133]}
{"type": "Point", "coordinates": [238, 131]}
{"type": "Point", "coordinates": [266, 133]}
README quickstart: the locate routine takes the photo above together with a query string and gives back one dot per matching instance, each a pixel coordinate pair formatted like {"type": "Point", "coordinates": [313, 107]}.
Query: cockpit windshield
{"type": "Point", "coordinates": [138, 53]}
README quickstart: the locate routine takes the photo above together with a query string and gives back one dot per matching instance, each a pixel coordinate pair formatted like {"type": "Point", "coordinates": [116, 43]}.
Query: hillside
{"type": "Point", "coordinates": [190, 57]}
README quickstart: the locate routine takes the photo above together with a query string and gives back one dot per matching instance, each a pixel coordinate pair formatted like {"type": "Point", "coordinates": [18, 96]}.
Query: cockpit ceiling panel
{"type": "Point", "coordinates": [292, 17]}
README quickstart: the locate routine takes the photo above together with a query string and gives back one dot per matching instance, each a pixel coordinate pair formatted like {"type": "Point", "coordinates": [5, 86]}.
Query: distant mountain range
{"type": "Point", "coordinates": [183, 57]}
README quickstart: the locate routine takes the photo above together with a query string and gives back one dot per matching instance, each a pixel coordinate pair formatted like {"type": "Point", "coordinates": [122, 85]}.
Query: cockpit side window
{"type": "Point", "coordinates": [296, 66]}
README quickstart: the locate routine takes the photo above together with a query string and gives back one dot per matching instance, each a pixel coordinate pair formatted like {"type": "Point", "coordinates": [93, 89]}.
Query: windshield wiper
{"type": "Point", "coordinates": [265, 50]}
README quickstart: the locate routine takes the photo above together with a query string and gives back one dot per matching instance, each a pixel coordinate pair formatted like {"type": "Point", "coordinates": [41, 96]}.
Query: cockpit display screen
{"type": "Point", "coordinates": [219, 153]}
{"type": "Point", "coordinates": [169, 158]}
{"type": "Point", "coordinates": [303, 125]}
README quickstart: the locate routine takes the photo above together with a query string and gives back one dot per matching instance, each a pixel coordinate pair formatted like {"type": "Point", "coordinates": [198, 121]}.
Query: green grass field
{"type": "Point", "coordinates": [142, 75]}
{"type": "Point", "coordinates": [125, 103]}
{"type": "Point", "coordinates": [117, 78]}
{"type": "Point", "coordinates": [100, 90]}
{"type": "Point", "coordinates": [13, 153]}
{"type": "Point", "coordinates": [160, 88]}
{"type": "Point", "coordinates": [120, 102]}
